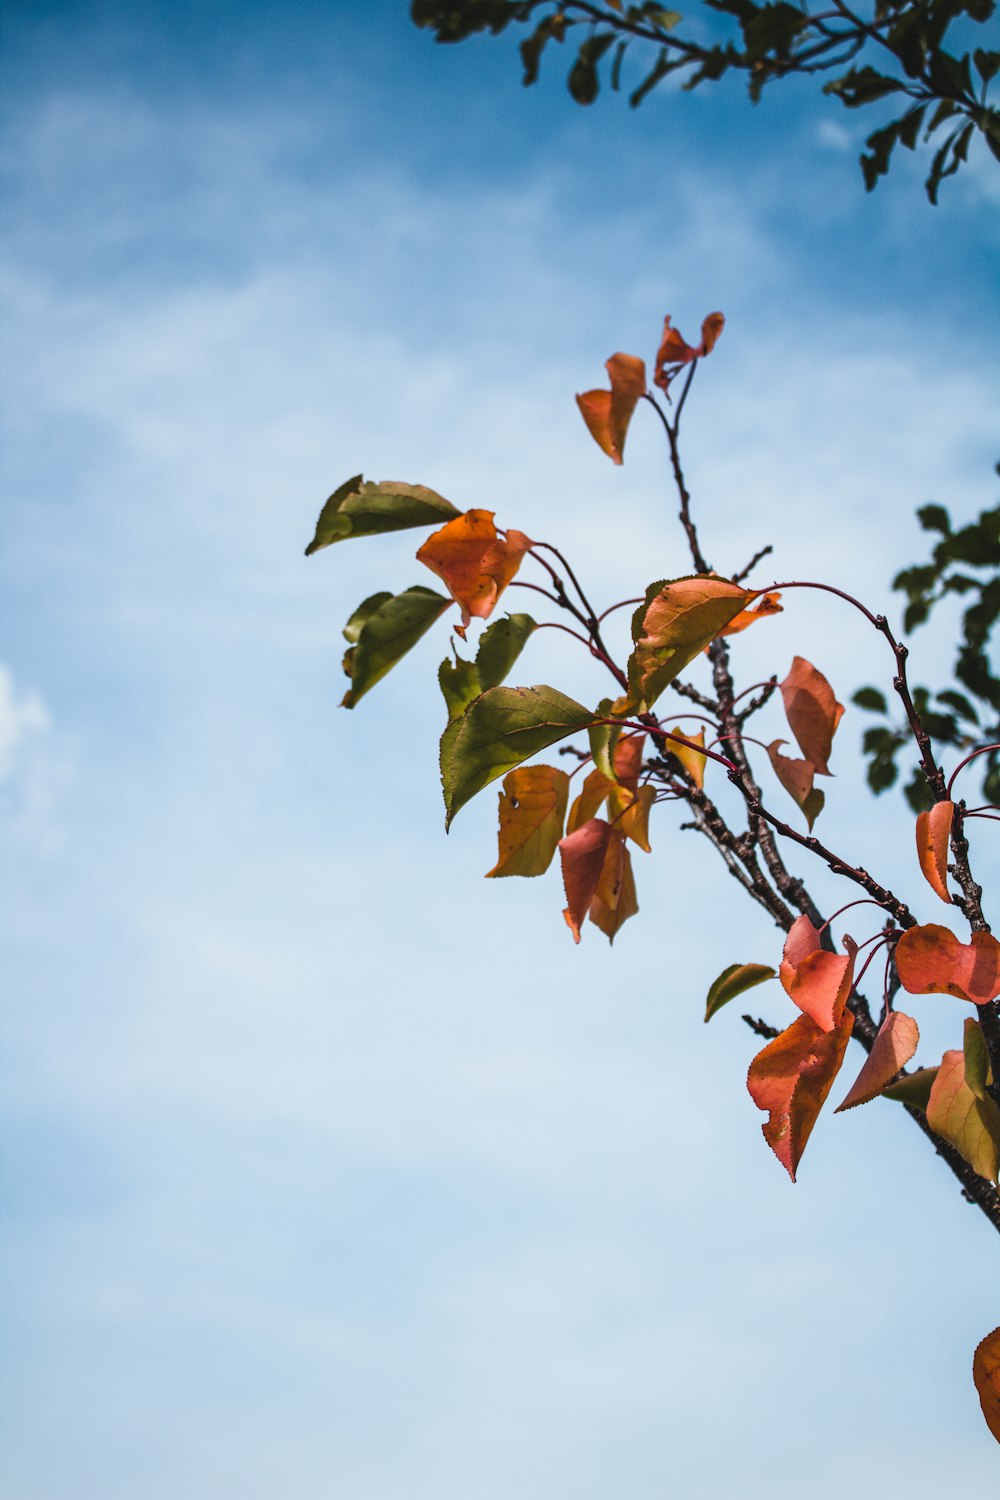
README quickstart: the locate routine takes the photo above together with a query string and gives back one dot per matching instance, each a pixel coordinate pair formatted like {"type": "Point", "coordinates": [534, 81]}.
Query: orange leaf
{"type": "Point", "coordinates": [986, 1374]}
{"type": "Point", "coordinates": [674, 352]}
{"type": "Point", "coordinates": [931, 961]}
{"type": "Point", "coordinates": [582, 854]}
{"type": "Point", "coordinates": [474, 561]}
{"type": "Point", "coordinates": [628, 759]}
{"type": "Point", "coordinates": [933, 833]}
{"type": "Point", "coordinates": [673, 625]}
{"type": "Point", "coordinates": [970, 1124]}
{"type": "Point", "coordinates": [768, 605]}
{"type": "Point", "coordinates": [796, 776]}
{"type": "Point", "coordinates": [817, 981]}
{"type": "Point", "coordinates": [893, 1047]}
{"type": "Point", "coordinates": [791, 1079]}
{"type": "Point", "coordinates": [608, 413]}
{"type": "Point", "coordinates": [711, 330]}
{"type": "Point", "coordinates": [589, 800]}
{"type": "Point", "coordinates": [690, 758]}
{"type": "Point", "coordinates": [532, 809]}
{"type": "Point", "coordinates": [614, 899]}
{"type": "Point", "coordinates": [812, 711]}
{"type": "Point", "coordinates": [630, 812]}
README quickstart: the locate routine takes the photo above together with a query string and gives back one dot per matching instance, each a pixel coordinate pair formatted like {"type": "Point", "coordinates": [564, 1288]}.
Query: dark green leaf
{"type": "Point", "coordinates": [497, 732]}
{"type": "Point", "coordinates": [872, 699]}
{"type": "Point", "coordinates": [734, 981]}
{"type": "Point", "coordinates": [387, 634]}
{"type": "Point", "coordinates": [499, 647]}
{"type": "Point", "coordinates": [363, 613]}
{"type": "Point", "coordinates": [459, 683]}
{"type": "Point", "coordinates": [359, 509]}
{"type": "Point", "coordinates": [914, 1090]}
{"type": "Point", "coordinates": [583, 81]}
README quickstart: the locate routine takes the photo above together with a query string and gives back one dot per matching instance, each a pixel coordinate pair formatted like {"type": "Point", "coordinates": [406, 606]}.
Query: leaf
{"type": "Point", "coordinates": [767, 605]}
{"type": "Point", "coordinates": [500, 645]}
{"type": "Point", "coordinates": [630, 813]}
{"type": "Point", "coordinates": [674, 352]}
{"type": "Point", "coordinates": [532, 814]}
{"type": "Point", "coordinates": [614, 900]}
{"type": "Point", "coordinates": [978, 1073]}
{"type": "Point", "coordinates": [589, 800]}
{"type": "Point", "coordinates": [796, 776]}
{"type": "Point", "coordinates": [363, 613]}
{"type": "Point", "coordinates": [969, 1124]}
{"type": "Point", "coordinates": [387, 634]}
{"type": "Point", "coordinates": [603, 739]}
{"type": "Point", "coordinates": [791, 1079]}
{"type": "Point", "coordinates": [684, 747]}
{"type": "Point", "coordinates": [582, 853]}
{"type": "Point", "coordinates": [734, 981]}
{"type": "Point", "coordinates": [677, 620]}
{"type": "Point", "coordinates": [933, 833]}
{"type": "Point", "coordinates": [608, 413]}
{"type": "Point", "coordinates": [892, 1049]}
{"type": "Point", "coordinates": [627, 760]}
{"type": "Point", "coordinates": [931, 960]}
{"type": "Point", "coordinates": [915, 1090]}
{"type": "Point", "coordinates": [459, 683]}
{"type": "Point", "coordinates": [986, 1374]}
{"type": "Point", "coordinates": [871, 699]}
{"type": "Point", "coordinates": [498, 731]}
{"type": "Point", "coordinates": [817, 981]}
{"type": "Point", "coordinates": [812, 711]}
{"type": "Point", "coordinates": [474, 561]}
{"type": "Point", "coordinates": [360, 509]}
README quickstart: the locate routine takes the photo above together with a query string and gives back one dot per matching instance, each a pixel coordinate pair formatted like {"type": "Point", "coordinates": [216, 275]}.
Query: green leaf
{"type": "Point", "coordinates": [360, 509]}
{"type": "Point", "coordinates": [363, 613]}
{"type": "Point", "coordinates": [460, 683]}
{"type": "Point", "coordinates": [498, 731]}
{"type": "Point", "coordinates": [914, 1090]}
{"type": "Point", "coordinates": [603, 739]}
{"type": "Point", "coordinates": [934, 518]}
{"type": "Point", "coordinates": [387, 634]}
{"type": "Point", "coordinates": [960, 703]}
{"type": "Point", "coordinates": [977, 1059]}
{"type": "Point", "coordinates": [872, 699]}
{"type": "Point", "coordinates": [862, 86]}
{"type": "Point", "coordinates": [583, 80]}
{"type": "Point", "coordinates": [499, 647]}
{"type": "Point", "coordinates": [732, 982]}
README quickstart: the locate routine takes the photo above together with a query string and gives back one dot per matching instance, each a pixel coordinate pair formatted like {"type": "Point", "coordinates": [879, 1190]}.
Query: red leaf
{"type": "Point", "coordinates": [791, 1079]}
{"type": "Point", "coordinates": [986, 1374]}
{"type": "Point", "coordinates": [608, 413]}
{"type": "Point", "coordinates": [892, 1049]}
{"type": "Point", "coordinates": [933, 833]}
{"type": "Point", "coordinates": [582, 854]}
{"type": "Point", "coordinates": [474, 561]}
{"type": "Point", "coordinates": [931, 961]}
{"type": "Point", "coordinates": [817, 981]}
{"type": "Point", "coordinates": [674, 352]}
{"type": "Point", "coordinates": [812, 711]}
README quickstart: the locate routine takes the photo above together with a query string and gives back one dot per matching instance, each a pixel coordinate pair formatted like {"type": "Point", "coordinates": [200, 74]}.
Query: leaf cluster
{"type": "Point", "coordinates": [942, 92]}
{"type": "Point", "coordinates": [964, 562]}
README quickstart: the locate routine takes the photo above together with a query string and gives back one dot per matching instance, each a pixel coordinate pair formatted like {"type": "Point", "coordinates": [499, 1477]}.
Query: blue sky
{"type": "Point", "coordinates": [329, 1168]}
